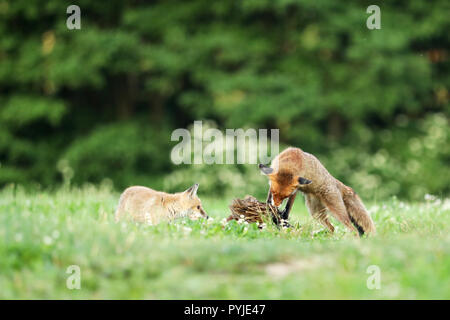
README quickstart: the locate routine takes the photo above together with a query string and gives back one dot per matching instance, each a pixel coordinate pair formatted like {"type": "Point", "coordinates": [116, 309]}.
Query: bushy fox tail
{"type": "Point", "coordinates": [359, 216]}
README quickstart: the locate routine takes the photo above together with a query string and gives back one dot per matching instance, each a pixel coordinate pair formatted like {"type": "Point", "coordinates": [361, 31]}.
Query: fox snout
{"type": "Point", "coordinates": [204, 214]}
{"type": "Point", "coordinates": [277, 201]}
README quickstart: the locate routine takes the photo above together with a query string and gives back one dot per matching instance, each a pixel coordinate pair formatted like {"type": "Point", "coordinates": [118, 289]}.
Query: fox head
{"type": "Point", "coordinates": [282, 183]}
{"type": "Point", "coordinates": [191, 203]}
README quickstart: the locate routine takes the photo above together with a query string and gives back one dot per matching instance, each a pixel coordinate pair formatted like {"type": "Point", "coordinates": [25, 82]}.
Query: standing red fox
{"type": "Point", "coordinates": [294, 170]}
{"type": "Point", "coordinates": [146, 205]}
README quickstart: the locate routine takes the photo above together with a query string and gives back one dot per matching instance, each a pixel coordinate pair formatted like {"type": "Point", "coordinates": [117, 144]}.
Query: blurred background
{"type": "Point", "coordinates": [98, 105]}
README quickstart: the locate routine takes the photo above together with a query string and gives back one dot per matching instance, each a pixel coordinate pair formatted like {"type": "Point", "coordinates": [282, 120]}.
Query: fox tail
{"type": "Point", "coordinates": [359, 216]}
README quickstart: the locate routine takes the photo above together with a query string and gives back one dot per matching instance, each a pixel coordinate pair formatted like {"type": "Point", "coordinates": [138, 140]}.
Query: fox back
{"type": "Point", "coordinates": [292, 165]}
{"type": "Point", "coordinates": [145, 205]}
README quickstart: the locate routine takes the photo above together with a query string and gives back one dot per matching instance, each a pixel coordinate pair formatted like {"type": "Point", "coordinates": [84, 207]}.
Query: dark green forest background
{"type": "Point", "coordinates": [98, 105]}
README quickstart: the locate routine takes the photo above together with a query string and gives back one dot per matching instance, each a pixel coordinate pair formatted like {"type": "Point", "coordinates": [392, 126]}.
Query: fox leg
{"type": "Point", "coordinates": [318, 211]}
{"type": "Point", "coordinates": [287, 209]}
{"type": "Point", "coordinates": [269, 197]}
{"type": "Point", "coordinates": [333, 201]}
{"type": "Point", "coordinates": [275, 219]}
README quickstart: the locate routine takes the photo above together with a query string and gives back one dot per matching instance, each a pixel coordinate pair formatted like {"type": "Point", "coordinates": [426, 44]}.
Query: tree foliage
{"type": "Point", "coordinates": [103, 100]}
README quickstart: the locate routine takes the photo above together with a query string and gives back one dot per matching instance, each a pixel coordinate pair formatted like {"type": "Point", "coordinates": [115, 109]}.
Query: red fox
{"type": "Point", "coordinates": [145, 205]}
{"type": "Point", "coordinates": [294, 170]}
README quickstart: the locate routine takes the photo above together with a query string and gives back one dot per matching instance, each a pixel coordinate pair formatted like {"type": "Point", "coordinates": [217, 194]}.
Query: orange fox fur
{"type": "Point", "coordinates": [145, 205]}
{"type": "Point", "coordinates": [294, 169]}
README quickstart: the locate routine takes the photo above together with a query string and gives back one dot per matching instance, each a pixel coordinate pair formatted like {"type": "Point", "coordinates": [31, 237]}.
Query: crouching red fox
{"type": "Point", "coordinates": [145, 205]}
{"type": "Point", "coordinates": [294, 170]}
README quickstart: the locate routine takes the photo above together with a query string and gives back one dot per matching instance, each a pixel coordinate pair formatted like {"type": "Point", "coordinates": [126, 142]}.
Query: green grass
{"type": "Point", "coordinates": [41, 234]}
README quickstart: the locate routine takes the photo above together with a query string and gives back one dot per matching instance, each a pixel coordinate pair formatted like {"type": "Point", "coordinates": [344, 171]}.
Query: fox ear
{"type": "Point", "coordinates": [302, 180]}
{"type": "Point", "coordinates": [265, 169]}
{"type": "Point", "coordinates": [192, 191]}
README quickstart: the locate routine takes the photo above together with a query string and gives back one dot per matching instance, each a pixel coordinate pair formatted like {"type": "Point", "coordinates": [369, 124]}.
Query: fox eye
{"type": "Point", "coordinates": [198, 207]}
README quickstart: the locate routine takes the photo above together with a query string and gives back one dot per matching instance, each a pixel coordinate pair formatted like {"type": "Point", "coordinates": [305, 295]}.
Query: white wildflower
{"type": "Point", "coordinates": [446, 205]}
{"type": "Point", "coordinates": [187, 230]}
{"type": "Point", "coordinates": [18, 237]}
{"type": "Point", "coordinates": [47, 240]}
{"type": "Point", "coordinates": [374, 209]}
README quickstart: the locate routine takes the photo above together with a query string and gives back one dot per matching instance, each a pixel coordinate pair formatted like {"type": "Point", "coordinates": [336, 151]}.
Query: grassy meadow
{"type": "Point", "coordinates": [43, 233]}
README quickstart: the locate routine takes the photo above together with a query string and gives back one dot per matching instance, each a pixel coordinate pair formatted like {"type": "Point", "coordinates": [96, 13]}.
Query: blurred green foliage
{"type": "Point", "coordinates": [101, 102]}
